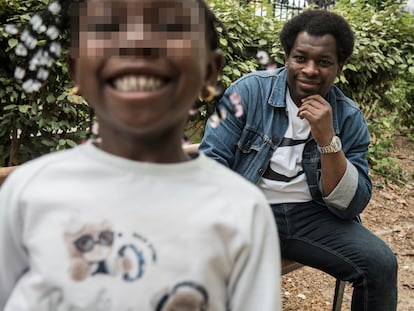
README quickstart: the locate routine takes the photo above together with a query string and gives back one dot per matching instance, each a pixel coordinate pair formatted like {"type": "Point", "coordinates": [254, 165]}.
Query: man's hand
{"type": "Point", "coordinates": [318, 112]}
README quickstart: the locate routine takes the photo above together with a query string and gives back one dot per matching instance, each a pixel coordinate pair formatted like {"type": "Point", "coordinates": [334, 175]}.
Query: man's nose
{"type": "Point", "coordinates": [310, 68]}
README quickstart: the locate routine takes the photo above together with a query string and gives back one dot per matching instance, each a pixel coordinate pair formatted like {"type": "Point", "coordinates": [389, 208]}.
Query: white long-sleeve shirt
{"type": "Point", "coordinates": [86, 230]}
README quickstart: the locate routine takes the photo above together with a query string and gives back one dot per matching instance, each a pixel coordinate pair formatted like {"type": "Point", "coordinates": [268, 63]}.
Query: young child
{"type": "Point", "coordinates": [132, 222]}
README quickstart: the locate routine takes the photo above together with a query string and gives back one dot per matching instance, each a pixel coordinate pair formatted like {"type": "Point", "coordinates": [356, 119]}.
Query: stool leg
{"type": "Point", "coordinates": [339, 295]}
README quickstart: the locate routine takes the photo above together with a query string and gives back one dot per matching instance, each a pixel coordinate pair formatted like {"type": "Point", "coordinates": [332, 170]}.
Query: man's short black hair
{"type": "Point", "coordinates": [319, 23]}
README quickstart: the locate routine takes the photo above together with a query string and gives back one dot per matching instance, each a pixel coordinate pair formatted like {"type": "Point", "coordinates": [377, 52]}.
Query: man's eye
{"type": "Point", "coordinates": [299, 59]}
{"type": "Point", "coordinates": [325, 63]}
{"type": "Point", "coordinates": [104, 28]}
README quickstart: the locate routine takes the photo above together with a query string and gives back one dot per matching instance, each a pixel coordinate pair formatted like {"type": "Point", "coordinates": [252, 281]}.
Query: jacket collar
{"type": "Point", "coordinates": [278, 95]}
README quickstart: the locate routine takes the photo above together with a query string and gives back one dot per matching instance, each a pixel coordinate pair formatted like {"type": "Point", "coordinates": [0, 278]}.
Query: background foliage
{"type": "Point", "coordinates": [49, 120]}
{"type": "Point", "coordinates": [379, 76]}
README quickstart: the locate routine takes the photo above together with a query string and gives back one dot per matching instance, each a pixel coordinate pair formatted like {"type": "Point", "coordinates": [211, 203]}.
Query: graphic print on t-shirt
{"type": "Point", "coordinates": [287, 143]}
{"type": "Point", "coordinates": [284, 178]}
{"type": "Point", "coordinates": [93, 250]}
{"type": "Point", "coordinates": [186, 295]}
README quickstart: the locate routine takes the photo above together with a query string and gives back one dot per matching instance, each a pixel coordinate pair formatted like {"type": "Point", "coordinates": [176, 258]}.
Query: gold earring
{"type": "Point", "coordinates": [211, 93]}
{"type": "Point", "coordinates": [74, 90]}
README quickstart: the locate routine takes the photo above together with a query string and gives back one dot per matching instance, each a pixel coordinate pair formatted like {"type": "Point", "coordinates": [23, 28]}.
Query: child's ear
{"type": "Point", "coordinates": [72, 69]}
{"type": "Point", "coordinates": [215, 65]}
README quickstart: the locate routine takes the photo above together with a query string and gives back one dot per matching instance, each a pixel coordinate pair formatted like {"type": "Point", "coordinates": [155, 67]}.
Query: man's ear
{"type": "Point", "coordinates": [214, 67]}
{"type": "Point", "coordinates": [286, 60]}
{"type": "Point", "coordinates": [339, 71]}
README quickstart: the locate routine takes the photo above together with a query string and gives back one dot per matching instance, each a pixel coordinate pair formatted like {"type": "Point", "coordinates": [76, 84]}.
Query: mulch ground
{"type": "Point", "coordinates": [390, 215]}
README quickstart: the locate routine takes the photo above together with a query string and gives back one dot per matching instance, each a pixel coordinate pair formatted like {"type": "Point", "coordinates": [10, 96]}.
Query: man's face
{"type": "Point", "coordinates": [312, 66]}
{"type": "Point", "coordinates": [141, 64]}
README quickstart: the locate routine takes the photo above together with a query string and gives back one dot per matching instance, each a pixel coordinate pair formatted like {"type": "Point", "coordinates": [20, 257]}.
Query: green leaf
{"type": "Point", "coordinates": [12, 42]}
{"type": "Point", "coordinates": [71, 143]}
{"type": "Point", "coordinates": [351, 67]}
{"type": "Point", "coordinates": [50, 99]}
{"type": "Point", "coordinates": [9, 107]}
{"type": "Point", "coordinates": [24, 108]}
{"type": "Point", "coordinates": [223, 42]}
{"type": "Point", "coordinates": [236, 72]}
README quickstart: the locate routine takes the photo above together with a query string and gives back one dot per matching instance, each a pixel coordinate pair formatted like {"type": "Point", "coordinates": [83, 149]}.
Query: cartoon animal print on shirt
{"type": "Point", "coordinates": [96, 249]}
{"type": "Point", "coordinates": [54, 301]}
{"type": "Point", "coordinates": [90, 248]}
{"type": "Point", "coordinates": [184, 296]}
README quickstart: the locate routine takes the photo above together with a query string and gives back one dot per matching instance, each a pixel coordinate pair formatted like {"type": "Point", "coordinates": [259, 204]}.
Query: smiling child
{"type": "Point", "coordinates": [123, 223]}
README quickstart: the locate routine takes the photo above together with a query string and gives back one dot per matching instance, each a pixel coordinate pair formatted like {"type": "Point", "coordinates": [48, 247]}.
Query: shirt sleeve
{"type": "Point", "coordinates": [345, 190]}
{"type": "Point", "coordinates": [255, 280]}
{"type": "Point", "coordinates": [13, 256]}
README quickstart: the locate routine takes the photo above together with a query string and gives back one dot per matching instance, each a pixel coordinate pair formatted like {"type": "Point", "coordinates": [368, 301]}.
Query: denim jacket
{"type": "Point", "coordinates": [246, 144]}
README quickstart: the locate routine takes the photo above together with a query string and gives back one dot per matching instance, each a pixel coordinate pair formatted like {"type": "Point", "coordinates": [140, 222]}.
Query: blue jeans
{"type": "Point", "coordinates": [313, 236]}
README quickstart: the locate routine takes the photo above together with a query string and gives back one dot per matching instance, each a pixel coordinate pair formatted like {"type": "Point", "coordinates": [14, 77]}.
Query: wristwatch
{"type": "Point", "coordinates": [334, 147]}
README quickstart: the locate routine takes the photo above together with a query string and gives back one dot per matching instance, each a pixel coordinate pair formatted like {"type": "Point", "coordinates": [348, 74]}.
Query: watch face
{"type": "Point", "coordinates": [336, 142]}
{"type": "Point", "coordinates": [334, 147]}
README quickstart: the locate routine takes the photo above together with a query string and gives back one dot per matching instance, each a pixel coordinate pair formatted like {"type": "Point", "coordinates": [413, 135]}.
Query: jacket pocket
{"type": "Point", "coordinates": [250, 141]}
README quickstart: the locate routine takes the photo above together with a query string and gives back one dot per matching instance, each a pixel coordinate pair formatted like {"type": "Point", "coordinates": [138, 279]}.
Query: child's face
{"type": "Point", "coordinates": [142, 64]}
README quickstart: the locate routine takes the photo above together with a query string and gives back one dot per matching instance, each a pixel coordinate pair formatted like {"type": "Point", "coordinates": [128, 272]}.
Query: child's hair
{"type": "Point", "coordinates": [319, 23]}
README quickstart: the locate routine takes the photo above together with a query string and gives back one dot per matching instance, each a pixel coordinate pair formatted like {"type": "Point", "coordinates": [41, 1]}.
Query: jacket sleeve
{"type": "Point", "coordinates": [13, 256]}
{"type": "Point", "coordinates": [220, 143]}
{"type": "Point", "coordinates": [254, 283]}
{"type": "Point", "coordinates": [353, 193]}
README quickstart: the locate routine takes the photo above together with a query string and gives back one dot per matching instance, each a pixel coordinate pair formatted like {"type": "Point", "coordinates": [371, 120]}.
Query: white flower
{"type": "Point", "coordinates": [27, 86]}
{"type": "Point", "coordinates": [52, 32]}
{"type": "Point", "coordinates": [54, 8]}
{"type": "Point", "coordinates": [30, 86]}
{"type": "Point", "coordinates": [42, 74]}
{"type": "Point", "coordinates": [36, 22]}
{"type": "Point", "coordinates": [11, 29]}
{"type": "Point", "coordinates": [28, 40]}
{"type": "Point", "coordinates": [41, 58]}
{"type": "Point", "coordinates": [32, 43]}
{"type": "Point", "coordinates": [21, 50]}
{"type": "Point", "coordinates": [35, 61]}
{"type": "Point", "coordinates": [41, 29]}
{"type": "Point", "coordinates": [36, 85]}
{"type": "Point", "coordinates": [19, 73]}
{"type": "Point", "coordinates": [46, 60]}
{"type": "Point", "coordinates": [25, 35]}
{"type": "Point", "coordinates": [55, 48]}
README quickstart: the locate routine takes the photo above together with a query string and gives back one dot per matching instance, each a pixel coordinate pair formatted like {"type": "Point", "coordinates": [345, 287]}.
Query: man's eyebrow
{"type": "Point", "coordinates": [305, 51]}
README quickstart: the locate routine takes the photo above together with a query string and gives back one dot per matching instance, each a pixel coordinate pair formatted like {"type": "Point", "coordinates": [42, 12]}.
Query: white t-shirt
{"type": "Point", "coordinates": [86, 230]}
{"type": "Point", "coordinates": [284, 179]}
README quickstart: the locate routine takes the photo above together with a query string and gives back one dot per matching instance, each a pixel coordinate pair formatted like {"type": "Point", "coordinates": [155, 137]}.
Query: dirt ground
{"type": "Point", "coordinates": [390, 215]}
